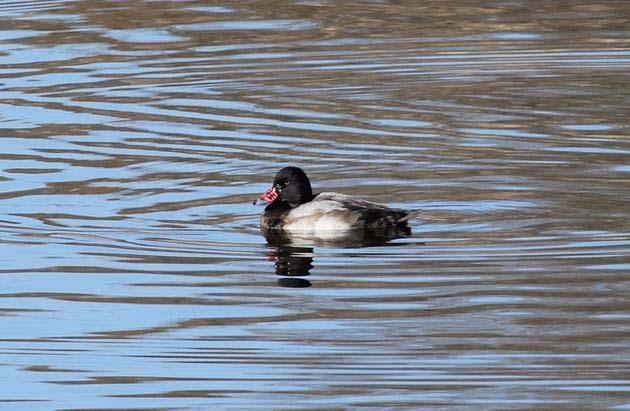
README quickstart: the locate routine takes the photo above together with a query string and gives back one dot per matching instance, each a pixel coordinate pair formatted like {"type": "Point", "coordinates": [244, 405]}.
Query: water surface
{"type": "Point", "coordinates": [135, 134]}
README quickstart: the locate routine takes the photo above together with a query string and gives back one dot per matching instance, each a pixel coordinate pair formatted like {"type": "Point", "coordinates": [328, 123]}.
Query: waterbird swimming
{"type": "Point", "coordinates": [292, 207]}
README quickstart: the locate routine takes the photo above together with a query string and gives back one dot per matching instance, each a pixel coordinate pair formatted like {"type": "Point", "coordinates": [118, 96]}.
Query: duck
{"type": "Point", "coordinates": [291, 206]}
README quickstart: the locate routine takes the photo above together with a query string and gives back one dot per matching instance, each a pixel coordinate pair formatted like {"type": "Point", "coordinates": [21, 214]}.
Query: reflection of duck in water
{"type": "Point", "coordinates": [295, 211]}
{"type": "Point", "coordinates": [293, 255]}
{"type": "Point", "coordinates": [292, 263]}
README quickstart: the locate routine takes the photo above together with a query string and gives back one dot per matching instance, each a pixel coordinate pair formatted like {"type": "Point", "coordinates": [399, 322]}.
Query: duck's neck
{"type": "Point", "coordinates": [306, 195]}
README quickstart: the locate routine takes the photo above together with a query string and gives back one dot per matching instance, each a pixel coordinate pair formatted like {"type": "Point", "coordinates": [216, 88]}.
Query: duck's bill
{"type": "Point", "coordinates": [269, 197]}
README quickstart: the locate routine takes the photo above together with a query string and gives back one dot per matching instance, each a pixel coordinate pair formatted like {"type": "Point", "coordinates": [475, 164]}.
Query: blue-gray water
{"type": "Point", "coordinates": [134, 135]}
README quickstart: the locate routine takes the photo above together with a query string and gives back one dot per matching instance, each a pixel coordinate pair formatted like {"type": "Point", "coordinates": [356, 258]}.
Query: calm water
{"type": "Point", "coordinates": [134, 135]}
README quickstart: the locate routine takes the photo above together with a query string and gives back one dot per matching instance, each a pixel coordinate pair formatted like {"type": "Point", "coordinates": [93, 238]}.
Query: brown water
{"type": "Point", "coordinates": [134, 135]}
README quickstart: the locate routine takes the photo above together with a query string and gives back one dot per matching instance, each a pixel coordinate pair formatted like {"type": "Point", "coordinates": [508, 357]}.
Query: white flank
{"type": "Point", "coordinates": [320, 225]}
{"type": "Point", "coordinates": [325, 214]}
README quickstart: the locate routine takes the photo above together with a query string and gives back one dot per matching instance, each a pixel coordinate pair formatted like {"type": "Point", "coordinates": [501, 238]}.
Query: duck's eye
{"type": "Point", "coordinates": [282, 184]}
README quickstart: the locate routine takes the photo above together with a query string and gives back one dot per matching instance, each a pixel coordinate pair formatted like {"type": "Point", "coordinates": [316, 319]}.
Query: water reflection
{"type": "Point", "coordinates": [293, 254]}
{"type": "Point", "coordinates": [292, 262]}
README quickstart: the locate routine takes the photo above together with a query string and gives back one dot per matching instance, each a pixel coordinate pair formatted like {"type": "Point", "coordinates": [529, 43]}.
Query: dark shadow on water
{"type": "Point", "coordinates": [293, 255]}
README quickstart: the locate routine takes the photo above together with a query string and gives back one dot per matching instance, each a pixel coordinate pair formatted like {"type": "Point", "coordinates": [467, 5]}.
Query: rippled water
{"type": "Point", "coordinates": [134, 135]}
